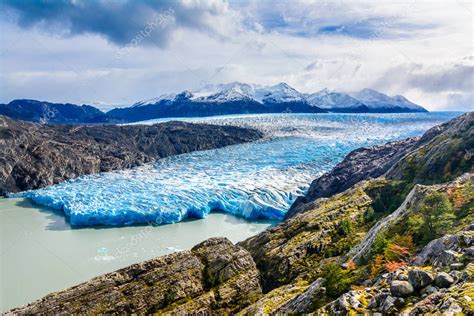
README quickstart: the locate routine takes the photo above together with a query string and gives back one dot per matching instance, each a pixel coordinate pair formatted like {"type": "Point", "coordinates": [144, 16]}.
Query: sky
{"type": "Point", "coordinates": [118, 52]}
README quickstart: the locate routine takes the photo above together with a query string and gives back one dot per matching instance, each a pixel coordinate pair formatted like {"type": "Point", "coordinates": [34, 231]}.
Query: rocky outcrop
{"type": "Point", "coordinates": [360, 164]}
{"type": "Point", "coordinates": [303, 303]}
{"type": "Point", "coordinates": [362, 250]}
{"type": "Point", "coordinates": [215, 275]}
{"type": "Point", "coordinates": [427, 289]}
{"type": "Point", "coordinates": [35, 155]}
{"type": "Point", "coordinates": [299, 248]}
{"type": "Point", "coordinates": [447, 250]}
{"type": "Point", "coordinates": [443, 153]}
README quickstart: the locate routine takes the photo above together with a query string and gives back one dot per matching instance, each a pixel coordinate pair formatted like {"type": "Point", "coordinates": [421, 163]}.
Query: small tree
{"type": "Point", "coordinates": [434, 218]}
{"type": "Point", "coordinates": [337, 281]}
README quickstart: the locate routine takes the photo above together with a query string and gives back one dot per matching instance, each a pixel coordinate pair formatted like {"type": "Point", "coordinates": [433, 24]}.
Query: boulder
{"type": "Point", "coordinates": [443, 280]}
{"type": "Point", "coordinates": [401, 288]}
{"type": "Point", "coordinates": [402, 277]}
{"type": "Point", "coordinates": [420, 279]}
{"type": "Point", "coordinates": [388, 306]}
{"type": "Point", "coordinates": [429, 290]}
{"type": "Point", "coordinates": [445, 251]}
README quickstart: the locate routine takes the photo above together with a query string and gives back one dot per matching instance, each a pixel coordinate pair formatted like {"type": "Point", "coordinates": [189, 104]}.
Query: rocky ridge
{"type": "Point", "coordinates": [36, 155]}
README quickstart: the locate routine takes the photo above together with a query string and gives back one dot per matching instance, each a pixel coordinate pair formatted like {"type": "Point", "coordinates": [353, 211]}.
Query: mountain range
{"type": "Point", "coordinates": [215, 99]}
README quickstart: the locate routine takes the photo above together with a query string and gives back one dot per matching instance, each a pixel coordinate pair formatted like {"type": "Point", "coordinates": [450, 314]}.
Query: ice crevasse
{"type": "Point", "coordinates": [255, 181]}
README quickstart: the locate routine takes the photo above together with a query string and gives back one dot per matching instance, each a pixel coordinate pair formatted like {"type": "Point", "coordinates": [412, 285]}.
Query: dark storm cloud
{"type": "Point", "coordinates": [446, 77]}
{"type": "Point", "coordinates": [459, 78]}
{"type": "Point", "coordinates": [118, 21]}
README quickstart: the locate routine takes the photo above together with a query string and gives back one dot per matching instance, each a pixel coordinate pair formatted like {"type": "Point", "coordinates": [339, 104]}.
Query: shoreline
{"type": "Point", "coordinates": [65, 256]}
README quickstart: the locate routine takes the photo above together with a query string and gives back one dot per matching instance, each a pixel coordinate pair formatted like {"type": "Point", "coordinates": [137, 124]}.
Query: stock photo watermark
{"type": "Point", "coordinates": [160, 21]}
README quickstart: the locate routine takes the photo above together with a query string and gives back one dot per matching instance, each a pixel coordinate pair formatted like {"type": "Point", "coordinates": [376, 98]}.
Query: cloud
{"type": "Point", "coordinates": [120, 22]}
{"type": "Point", "coordinates": [361, 19]}
{"type": "Point", "coordinates": [445, 85]}
{"type": "Point", "coordinates": [64, 50]}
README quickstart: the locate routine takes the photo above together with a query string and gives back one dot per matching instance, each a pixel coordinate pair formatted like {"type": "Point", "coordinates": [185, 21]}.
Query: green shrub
{"type": "Point", "coordinates": [369, 215]}
{"type": "Point", "coordinates": [433, 218]}
{"type": "Point", "coordinates": [344, 228]}
{"type": "Point", "coordinates": [337, 282]}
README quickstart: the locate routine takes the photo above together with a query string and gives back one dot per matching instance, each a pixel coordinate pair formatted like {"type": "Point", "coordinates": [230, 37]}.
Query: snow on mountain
{"type": "Point", "coordinates": [376, 100]}
{"type": "Point", "coordinates": [166, 97]}
{"type": "Point", "coordinates": [237, 91]}
{"type": "Point", "coordinates": [326, 99]}
{"type": "Point", "coordinates": [234, 91]}
{"type": "Point", "coordinates": [366, 100]}
{"type": "Point", "coordinates": [281, 92]}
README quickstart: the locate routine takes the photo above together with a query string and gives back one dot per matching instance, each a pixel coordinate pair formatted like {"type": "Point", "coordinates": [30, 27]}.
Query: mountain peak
{"type": "Point", "coordinates": [382, 102]}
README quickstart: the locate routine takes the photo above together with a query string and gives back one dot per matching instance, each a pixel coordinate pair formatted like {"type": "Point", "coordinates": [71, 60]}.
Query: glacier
{"type": "Point", "coordinates": [258, 180]}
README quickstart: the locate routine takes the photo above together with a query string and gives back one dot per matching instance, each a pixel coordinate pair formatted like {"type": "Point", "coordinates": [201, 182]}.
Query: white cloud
{"type": "Point", "coordinates": [415, 51]}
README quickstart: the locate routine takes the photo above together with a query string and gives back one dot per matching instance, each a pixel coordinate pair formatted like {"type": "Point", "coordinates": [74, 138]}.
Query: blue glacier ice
{"type": "Point", "coordinates": [257, 180]}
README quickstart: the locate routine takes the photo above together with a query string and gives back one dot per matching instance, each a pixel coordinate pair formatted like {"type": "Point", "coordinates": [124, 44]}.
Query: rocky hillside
{"type": "Point", "coordinates": [385, 245]}
{"type": "Point", "coordinates": [36, 155]}
{"type": "Point", "coordinates": [443, 153]}
{"type": "Point", "coordinates": [213, 276]}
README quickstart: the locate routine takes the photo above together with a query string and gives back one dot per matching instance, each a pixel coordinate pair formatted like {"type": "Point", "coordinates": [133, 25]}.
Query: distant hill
{"type": "Point", "coordinates": [46, 112]}
{"type": "Point", "coordinates": [218, 99]}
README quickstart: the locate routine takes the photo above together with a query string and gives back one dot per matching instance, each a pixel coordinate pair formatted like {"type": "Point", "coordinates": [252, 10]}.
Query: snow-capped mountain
{"type": "Point", "coordinates": [230, 92]}
{"type": "Point", "coordinates": [331, 100]}
{"type": "Point", "coordinates": [243, 98]}
{"type": "Point", "coordinates": [164, 97]}
{"type": "Point", "coordinates": [237, 91]}
{"type": "Point", "coordinates": [220, 99]}
{"type": "Point", "coordinates": [281, 92]}
{"type": "Point", "coordinates": [378, 101]}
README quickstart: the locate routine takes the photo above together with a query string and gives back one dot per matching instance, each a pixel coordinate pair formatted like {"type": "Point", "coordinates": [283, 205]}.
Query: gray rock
{"type": "Point", "coordinates": [402, 277]}
{"type": "Point", "coordinates": [456, 275]}
{"type": "Point", "coordinates": [456, 266]}
{"type": "Point", "coordinates": [420, 279]}
{"type": "Point", "coordinates": [401, 288]}
{"type": "Point", "coordinates": [443, 279]}
{"type": "Point", "coordinates": [451, 307]}
{"type": "Point", "coordinates": [302, 302]}
{"type": "Point", "coordinates": [428, 290]}
{"type": "Point", "coordinates": [388, 306]}
{"type": "Point", "coordinates": [440, 252]}
{"type": "Point", "coordinates": [469, 251]}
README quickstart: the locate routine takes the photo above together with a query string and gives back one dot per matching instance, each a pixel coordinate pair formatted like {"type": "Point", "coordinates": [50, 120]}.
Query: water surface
{"type": "Point", "coordinates": [40, 253]}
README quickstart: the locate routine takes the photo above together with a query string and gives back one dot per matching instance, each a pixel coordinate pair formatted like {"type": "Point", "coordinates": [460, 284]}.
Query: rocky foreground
{"type": "Point", "coordinates": [35, 155]}
{"type": "Point", "coordinates": [400, 242]}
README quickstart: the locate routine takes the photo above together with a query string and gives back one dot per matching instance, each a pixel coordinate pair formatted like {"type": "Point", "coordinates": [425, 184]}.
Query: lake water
{"type": "Point", "coordinates": [257, 182]}
{"type": "Point", "coordinates": [40, 253]}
